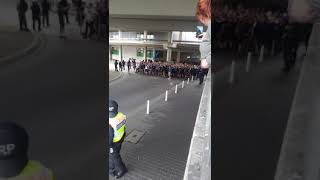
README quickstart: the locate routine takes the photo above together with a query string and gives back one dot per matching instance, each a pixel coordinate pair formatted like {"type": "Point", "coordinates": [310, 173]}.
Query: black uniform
{"type": "Point", "coordinates": [116, 65]}
{"type": "Point", "coordinates": [123, 65]}
{"type": "Point", "coordinates": [201, 75]}
{"type": "Point", "coordinates": [129, 65]}
{"type": "Point", "coordinates": [45, 13]}
{"type": "Point", "coordinates": [62, 8]}
{"type": "Point", "coordinates": [134, 65]}
{"type": "Point", "coordinates": [120, 65]}
{"type": "Point", "coordinates": [36, 12]}
{"type": "Point", "coordinates": [22, 8]}
{"type": "Point", "coordinates": [115, 160]}
{"type": "Point", "coordinates": [290, 46]}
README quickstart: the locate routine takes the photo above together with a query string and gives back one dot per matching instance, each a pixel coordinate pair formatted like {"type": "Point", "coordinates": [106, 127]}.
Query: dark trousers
{"type": "Point", "coordinates": [45, 19]}
{"type": "Point", "coordinates": [115, 161]}
{"type": "Point", "coordinates": [290, 54]}
{"type": "Point", "coordinates": [116, 67]}
{"type": "Point", "coordinates": [36, 20]}
{"type": "Point", "coordinates": [89, 29]}
{"type": "Point", "coordinates": [23, 22]}
{"type": "Point", "coordinates": [66, 14]}
{"type": "Point", "coordinates": [201, 75]}
{"type": "Point", "coordinates": [62, 24]}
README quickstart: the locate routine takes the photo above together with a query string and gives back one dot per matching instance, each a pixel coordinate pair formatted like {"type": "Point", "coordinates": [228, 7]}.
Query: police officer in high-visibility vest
{"type": "Point", "coordinates": [117, 125]}
{"type": "Point", "coordinates": [14, 161]}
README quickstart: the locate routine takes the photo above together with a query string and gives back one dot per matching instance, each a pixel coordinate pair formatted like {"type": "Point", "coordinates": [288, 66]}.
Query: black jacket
{"type": "Point", "coordinates": [35, 8]}
{"type": "Point", "coordinates": [45, 6]}
{"type": "Point", "coordinates": [22, 7]}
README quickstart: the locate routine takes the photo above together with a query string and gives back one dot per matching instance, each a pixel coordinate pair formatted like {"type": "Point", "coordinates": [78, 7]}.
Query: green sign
{"type": "Point", "coordinates": [114, 51]}
{"type": "Point", "coordinates": [140, 52]}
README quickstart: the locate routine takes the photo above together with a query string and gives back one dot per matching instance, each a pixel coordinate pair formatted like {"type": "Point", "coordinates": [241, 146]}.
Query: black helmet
{"type": "Point", "coordinates": [14, 142]}
{"type": "Point", "coordinates": [113, 108]}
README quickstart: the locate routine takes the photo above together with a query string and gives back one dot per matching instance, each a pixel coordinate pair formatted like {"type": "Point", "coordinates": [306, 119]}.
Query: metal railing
{"type": "Point", "coordinates": [198, 165]}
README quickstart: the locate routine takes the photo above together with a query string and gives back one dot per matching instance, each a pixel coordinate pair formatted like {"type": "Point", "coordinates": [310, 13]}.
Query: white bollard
{"type": "Point", "coordinates": [166, 98]}
{"type": "Point", "coordinates": [183, 84]}
{"type": "Point", "coordinates": [261, 54]}
{"type": "Point", "coordinates": [148, 108]}
{"type": "Point", "coordinates": [188, 81]}
{"type": "Point", "coordinates": [232, 69]}
{"type": "Point", "coordinates": [176, 91]}
{"type": "Point", "coordinates": [248, 62]}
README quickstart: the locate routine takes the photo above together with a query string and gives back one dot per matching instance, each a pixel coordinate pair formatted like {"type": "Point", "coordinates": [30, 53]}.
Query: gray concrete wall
{"type": "Point", "coordinates": [300, 153]}
{"type": "Point", "coordinates": [198, 166]}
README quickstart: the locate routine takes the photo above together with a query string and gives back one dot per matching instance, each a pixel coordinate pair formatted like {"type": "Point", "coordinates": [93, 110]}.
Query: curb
{"type": "Point", "coordinates": [118, 77]}
{"type": "Point", "coordinates": [24, 52]}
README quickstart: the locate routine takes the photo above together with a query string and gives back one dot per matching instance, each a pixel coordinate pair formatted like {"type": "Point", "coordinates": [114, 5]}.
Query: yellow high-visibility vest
{"type": "Point", "coordinates": [33, 171]}
{"type": "Point", "coordinates": [118, 123]}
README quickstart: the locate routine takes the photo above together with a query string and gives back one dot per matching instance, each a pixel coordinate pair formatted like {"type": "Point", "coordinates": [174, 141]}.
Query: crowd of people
{"type": "Point", "coordinates": [161, 69]}
{"type": "Point", "coordinates": [242, 29]}
{"type": "Point", "coordinates": [89, 17]}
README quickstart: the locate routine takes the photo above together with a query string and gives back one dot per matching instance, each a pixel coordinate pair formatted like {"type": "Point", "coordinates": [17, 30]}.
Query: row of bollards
{"type": "Point", "coordinates": [248, 63]}
{"type": "Point", "coordinates": [166, 94]}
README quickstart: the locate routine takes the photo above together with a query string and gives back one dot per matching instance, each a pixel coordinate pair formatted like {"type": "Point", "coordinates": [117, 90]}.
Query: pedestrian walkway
{"type": "Point", "coordinates": [162, 151]}
{"type": "Point", "coordinates": [250, 117]}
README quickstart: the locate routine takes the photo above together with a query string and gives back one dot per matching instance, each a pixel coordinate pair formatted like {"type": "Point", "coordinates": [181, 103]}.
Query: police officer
{"type": "Point", "coordinates": [134, 64]}
{"type": "Point", "coordinates": [36, 15]}
{"type": "Point", "coordinates": [117, 125]}
{"type": "Point", "coordinates": [22, 8]}
{"type": "Point", "coordinates": [116, 65]}
{"type": "Point", "coordinates": [290, 46]}
{"type": "Point", "coordinates": [120, 65]}
{"type": "Point", "coordinates": [14, 161]}
{"type": "Point", "coordinates": [45, 5]}
{"type": "Point", "coordinates": [129, 65]}
{"type": "Point", "coordinates": [123, 64]}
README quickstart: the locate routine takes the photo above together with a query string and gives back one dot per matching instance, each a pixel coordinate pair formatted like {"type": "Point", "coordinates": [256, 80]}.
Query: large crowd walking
{"type": "Point", "coordinates": [241, 30]}
{"type": "Point", "coordinates": [88, 16]}
{"type": "Point", "coordinates": [161, 69]}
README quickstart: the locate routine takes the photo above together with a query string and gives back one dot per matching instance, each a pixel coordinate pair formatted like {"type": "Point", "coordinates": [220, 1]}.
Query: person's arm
{"type": "Point", "coordinates": [111, 135]}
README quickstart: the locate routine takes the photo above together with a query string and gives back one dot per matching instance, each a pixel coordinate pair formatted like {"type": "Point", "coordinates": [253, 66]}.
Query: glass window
{"type": "Point", "coordinates": [150, 53]}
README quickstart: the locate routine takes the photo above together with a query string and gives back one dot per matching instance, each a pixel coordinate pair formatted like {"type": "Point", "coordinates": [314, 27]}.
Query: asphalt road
{"type": "Point", "coordinates": [132, 91]}
{"type": "Point", "coordinates": [250, 119]}
{"type": "Point", "coordinates": [58, 95]}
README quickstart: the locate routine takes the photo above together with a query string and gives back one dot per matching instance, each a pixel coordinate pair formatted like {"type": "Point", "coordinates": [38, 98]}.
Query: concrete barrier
{"type": "Point", "coordinates": [300, 152]}
{"type": "Point", "coordinates": [198, 165]}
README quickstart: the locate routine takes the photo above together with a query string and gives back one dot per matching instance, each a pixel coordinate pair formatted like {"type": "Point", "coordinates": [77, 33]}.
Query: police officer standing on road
{"type": "Point", "coordinates": [36, 15]}
{"type": "Point", "coordinates": [123, 64]}
{"type": "Point", "coordinates": [290, 46]}
{"type": "Point", "coordinates": [45, 5]}
{"type": "Point", "coordinates": [117, 125]}
{"type": "Point", "coordinates": [22, 8]}
{"type": "Point", "coordinates": [116, 65]}
{"type": "Point", "coordinates": [14, 161]}
{"type": "Point", "coordinates": [134, 65]}
{"type": "Point", "coordinates": [120, 65]}
{"type": "Point", "coordinates": [129, 65]}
